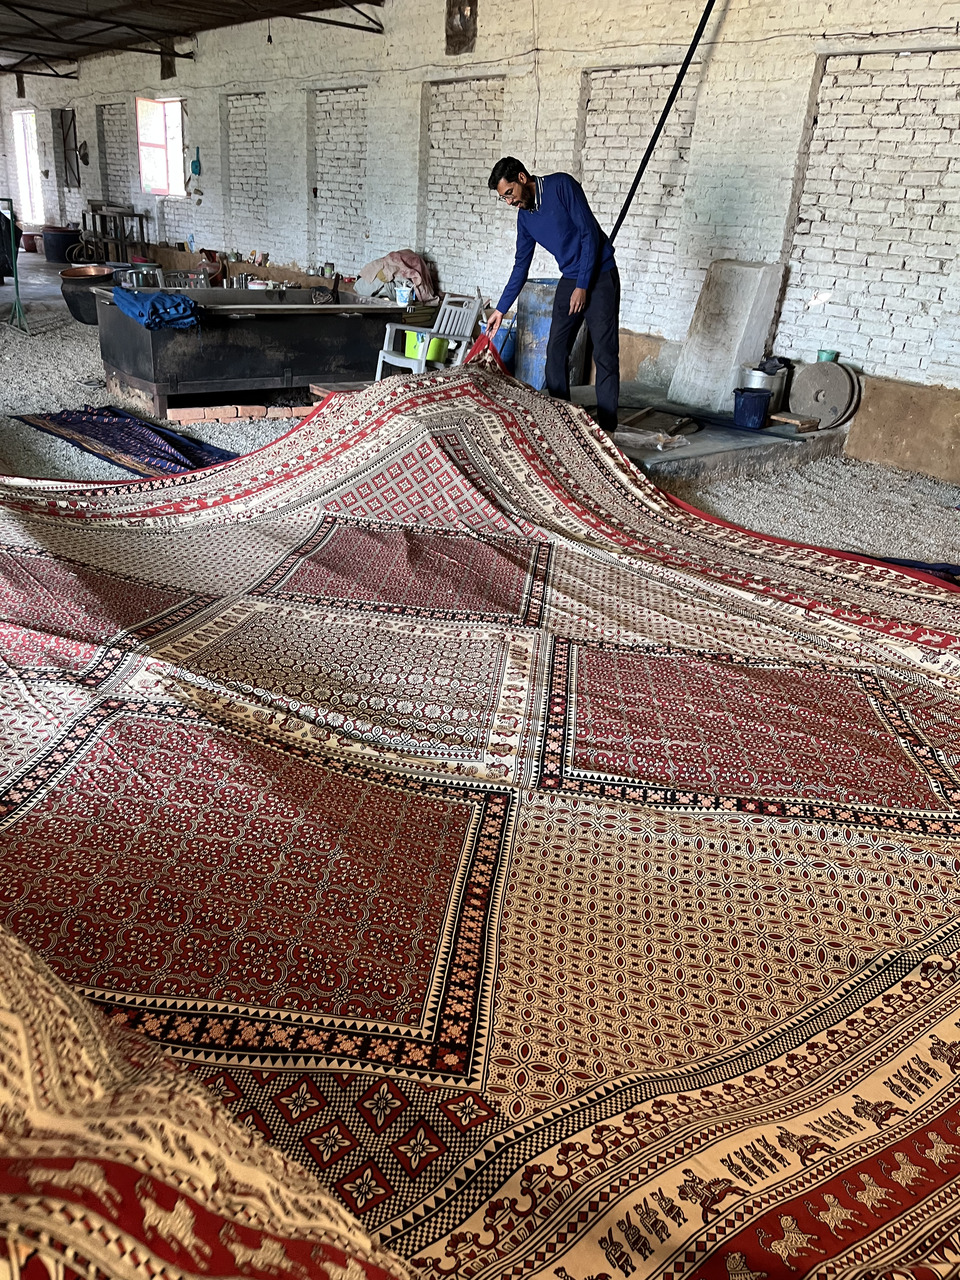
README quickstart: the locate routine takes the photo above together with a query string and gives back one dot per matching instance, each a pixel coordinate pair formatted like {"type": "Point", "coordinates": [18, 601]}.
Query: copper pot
{"type": "Point", "coordinates": [77, 273]}
{"type": "Point", "coordinates": [76, 284]}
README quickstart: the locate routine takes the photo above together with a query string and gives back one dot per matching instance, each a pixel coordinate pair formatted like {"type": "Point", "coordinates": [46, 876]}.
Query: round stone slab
{"type": "Point", "coordinates": [823, 390]}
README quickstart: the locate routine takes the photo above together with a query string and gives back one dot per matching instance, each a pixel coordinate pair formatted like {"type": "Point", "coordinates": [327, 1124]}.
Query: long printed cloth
{"type": "Point", "coordinates": [113, 1163]}
{"type": "Point", "coordinates": [568, 880]}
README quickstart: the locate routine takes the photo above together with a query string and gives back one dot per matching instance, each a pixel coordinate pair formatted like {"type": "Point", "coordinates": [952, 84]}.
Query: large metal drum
{"type": "Point", "coordinates": [534, 317]}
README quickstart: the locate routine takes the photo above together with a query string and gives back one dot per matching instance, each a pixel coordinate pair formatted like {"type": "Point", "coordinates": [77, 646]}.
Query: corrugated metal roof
{"type": "Point", "coordinates": [45, 38]}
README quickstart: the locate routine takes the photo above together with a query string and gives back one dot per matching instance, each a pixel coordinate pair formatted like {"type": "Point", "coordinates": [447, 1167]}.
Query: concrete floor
{"type": "Point", "coordinates": [39, 279]}
{"type": "Point", "coordinates": [39, 292]}
{"type": "Point", "coordinates": [715, 448]}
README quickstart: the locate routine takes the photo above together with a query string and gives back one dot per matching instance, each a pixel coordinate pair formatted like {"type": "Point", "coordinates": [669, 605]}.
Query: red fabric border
{"type": "Point", "coordinates": [485, 344]}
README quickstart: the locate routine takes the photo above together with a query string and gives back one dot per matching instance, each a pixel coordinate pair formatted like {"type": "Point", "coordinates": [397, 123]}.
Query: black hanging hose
{"type": "Point", "coordinates": [668, 105]}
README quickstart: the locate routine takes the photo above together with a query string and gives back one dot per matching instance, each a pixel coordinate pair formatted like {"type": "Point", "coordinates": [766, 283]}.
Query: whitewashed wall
{"type": "Point", "coordinates": [753, 164]}
{"type": "Point", "coordinates": [876, 236]}
{"type": "Point", "coordinates": [342, 232]}
{"type": "Point", "coordinates": [114, 143]}
{"type": "Point", "coordinates": [469, 234]}
{"type": "Point", "coordinates": [247, 182]}
{"type": "Point", "coordinates": [622, 108]}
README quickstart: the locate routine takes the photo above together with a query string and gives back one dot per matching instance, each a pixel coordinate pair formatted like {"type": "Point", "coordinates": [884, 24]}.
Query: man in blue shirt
{"type": "Point", "coordinates": [553, 212]}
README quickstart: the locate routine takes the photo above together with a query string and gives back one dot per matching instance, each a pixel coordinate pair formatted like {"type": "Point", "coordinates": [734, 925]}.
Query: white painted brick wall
{"type": "Point", "coordinates": [469, 233]}
{"type": "Point", "coordinates": [876, 230]}
{"type": "Point", "coordinates": [757, 90]}
{"type": "Point", "coordinates": [113, 129]}
{"type": "Point", "coordinates": [622, 109]}
{"type": "Point", "coordinates": [247, 169]}
{"type": "Point", "coordinates": [340, 142]}
{"type": "Point", "coordinates": [177, 219]}
{"type": "Point", "coordinates": [73, 204]}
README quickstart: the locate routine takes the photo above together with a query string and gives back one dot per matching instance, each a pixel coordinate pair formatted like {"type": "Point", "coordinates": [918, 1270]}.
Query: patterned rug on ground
{"type": "Point", "coordinates": [568, 880]}
{"type": "Point", "coordinates": [144, 448]}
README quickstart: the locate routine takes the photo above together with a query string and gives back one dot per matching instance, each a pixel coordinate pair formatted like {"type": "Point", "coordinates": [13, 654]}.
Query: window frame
{"type": "Point", "coordinates": [66, 136]}
{"type": "Point", "coordinates": [172, 155]}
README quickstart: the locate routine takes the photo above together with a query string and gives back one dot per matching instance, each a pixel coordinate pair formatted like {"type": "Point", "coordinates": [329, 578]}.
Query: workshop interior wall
{"type": "Point", "coordinates": [247, 167]}
{"type": "Point", "coordinates": [760, 163]}
{"type": "Point", "coordinates": [113, 150]}
{"type": "Point", "coordinates": [622, 108]}
{"type": "Point", "coordinates": [338, 192]}
{"type": "Point", "coordinates": [469, 234]}
{"type": "Point", "coordinates": [875, 236]}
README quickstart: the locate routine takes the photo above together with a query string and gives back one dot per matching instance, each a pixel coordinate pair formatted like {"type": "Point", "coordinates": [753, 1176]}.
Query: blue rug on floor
{"type": "Point", "coordinates": [128, 442]}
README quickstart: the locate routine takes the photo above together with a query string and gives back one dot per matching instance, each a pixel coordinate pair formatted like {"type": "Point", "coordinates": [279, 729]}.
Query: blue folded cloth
{"type": "Point", "coordinates": [157, 310]}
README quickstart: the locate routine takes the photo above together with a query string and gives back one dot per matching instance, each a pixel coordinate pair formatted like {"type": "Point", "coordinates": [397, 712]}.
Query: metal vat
{"type": "Point", "coordinates": [77, 285]}
{"type": "Point", "coordinates": [245, 340]}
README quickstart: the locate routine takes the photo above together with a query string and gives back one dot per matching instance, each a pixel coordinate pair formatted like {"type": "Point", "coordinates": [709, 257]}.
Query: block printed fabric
{"type": "Point", "coordinates": [114, 1163]}
{"type": "Point", "coordinates": [143, 448]}
{"type": "Point", "coordinates": [568, 880]}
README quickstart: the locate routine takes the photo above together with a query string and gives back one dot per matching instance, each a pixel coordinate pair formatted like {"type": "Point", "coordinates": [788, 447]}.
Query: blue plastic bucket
{"type": "Point", "coordinates": [751, 405]}
{"type": "Point", "coordinates": [534, 317]}
{"type": "Point", "coordinates": [505, 341]}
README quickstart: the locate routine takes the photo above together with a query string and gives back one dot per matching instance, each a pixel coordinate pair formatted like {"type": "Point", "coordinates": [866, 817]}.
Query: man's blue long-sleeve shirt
{"type": "Point", "coordinates": [564, 224]}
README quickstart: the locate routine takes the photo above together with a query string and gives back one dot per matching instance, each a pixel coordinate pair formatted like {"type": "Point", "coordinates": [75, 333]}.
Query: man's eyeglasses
{"type": "Point", "coordinates": [509, 196]}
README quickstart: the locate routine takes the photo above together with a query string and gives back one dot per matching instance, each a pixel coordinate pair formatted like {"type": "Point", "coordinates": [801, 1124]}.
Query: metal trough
{"type": "Point", "coordinates": [246, 340]}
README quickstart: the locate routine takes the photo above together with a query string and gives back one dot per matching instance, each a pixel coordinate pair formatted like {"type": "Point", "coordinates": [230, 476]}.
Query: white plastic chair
{"type": "Point", "coordinates": [455, 323]}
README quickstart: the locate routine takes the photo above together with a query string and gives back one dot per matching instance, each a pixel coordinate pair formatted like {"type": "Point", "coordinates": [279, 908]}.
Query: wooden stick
{"type": "Point", "coordinates": [634, 418]}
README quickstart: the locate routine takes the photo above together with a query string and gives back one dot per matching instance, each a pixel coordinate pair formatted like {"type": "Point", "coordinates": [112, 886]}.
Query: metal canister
{"type": "Point", "coordinates": [757, 380]}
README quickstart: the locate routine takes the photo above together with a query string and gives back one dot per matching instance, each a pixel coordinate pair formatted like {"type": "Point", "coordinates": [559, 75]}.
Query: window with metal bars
{"type": "Point", "coordinates": [65, 137]}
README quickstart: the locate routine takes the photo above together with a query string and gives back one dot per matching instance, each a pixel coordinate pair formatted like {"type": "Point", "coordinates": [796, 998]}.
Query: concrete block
{"type": "Point", "coordinates": [730, 327]}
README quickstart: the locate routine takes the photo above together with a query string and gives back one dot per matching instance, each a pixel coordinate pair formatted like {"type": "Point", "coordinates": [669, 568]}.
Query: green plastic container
{"type": "Point", "coordinates": [437, 350]}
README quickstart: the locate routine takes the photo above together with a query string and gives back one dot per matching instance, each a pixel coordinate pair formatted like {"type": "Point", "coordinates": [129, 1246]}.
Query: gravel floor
{"type": "Point", "coordinates": [51, 370]}
{"type": "Point", "coordinates": [841, 503]}
{"type": "Point", "coordinates": [834, 502]}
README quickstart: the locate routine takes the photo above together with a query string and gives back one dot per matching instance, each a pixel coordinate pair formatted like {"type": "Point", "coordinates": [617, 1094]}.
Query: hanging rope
{"type": "Point", "coordinates": [668, 105]}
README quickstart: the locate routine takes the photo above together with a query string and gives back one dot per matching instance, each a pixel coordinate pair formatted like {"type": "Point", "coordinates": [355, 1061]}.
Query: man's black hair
{"type": "Point", "coordinates": [507, 169]}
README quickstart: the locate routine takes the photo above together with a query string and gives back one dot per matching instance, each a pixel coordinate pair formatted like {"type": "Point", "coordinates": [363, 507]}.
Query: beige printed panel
{"type": "Point", "coordinates": [635, 941]}
{"type": "Point", "coordinates": [433, 697]}
{"type": "Point", "coordinates": [842, 1148]}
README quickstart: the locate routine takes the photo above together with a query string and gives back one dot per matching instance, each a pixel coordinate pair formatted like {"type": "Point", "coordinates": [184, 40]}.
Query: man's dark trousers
{"type": "Point", "coordinates": [602, 314]}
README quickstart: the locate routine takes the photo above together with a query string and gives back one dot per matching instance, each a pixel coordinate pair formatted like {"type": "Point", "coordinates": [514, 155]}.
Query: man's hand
{"type": "Point", "coordinates": [493, 323]}
{"type": "Point", "coordinates": [578, 300]}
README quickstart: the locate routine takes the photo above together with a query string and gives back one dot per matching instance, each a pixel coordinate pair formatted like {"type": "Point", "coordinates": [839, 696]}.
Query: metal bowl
{"type": "Point", "coordinates": [79, 273]}
{"type": "Point", "coordinates": [76, 284]}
